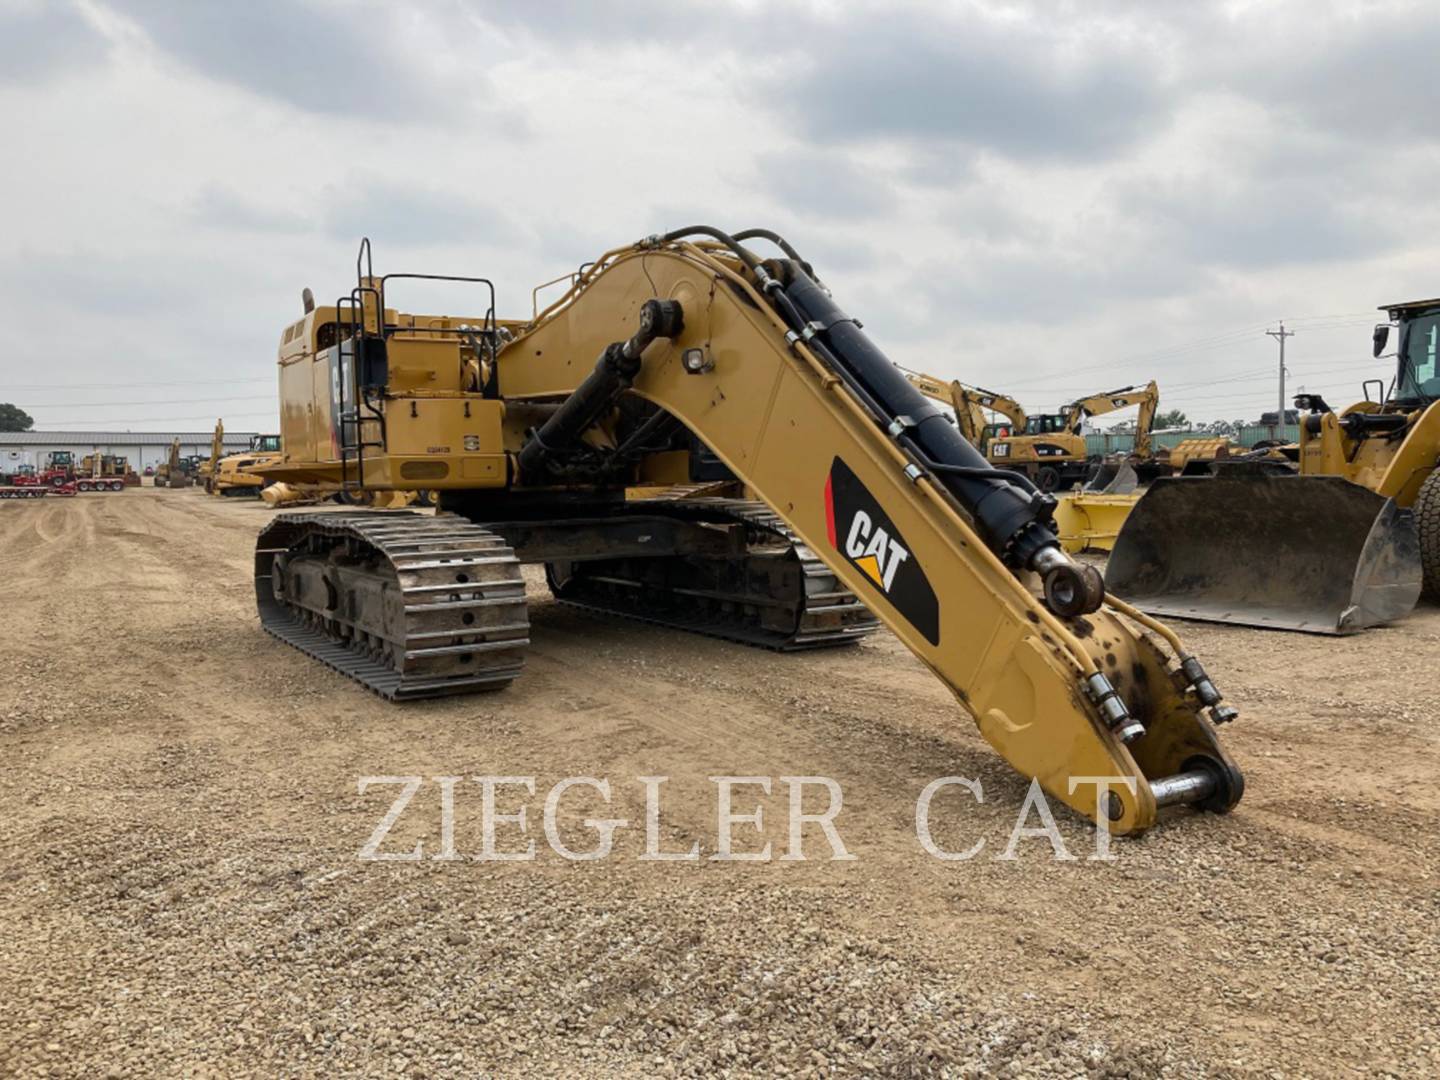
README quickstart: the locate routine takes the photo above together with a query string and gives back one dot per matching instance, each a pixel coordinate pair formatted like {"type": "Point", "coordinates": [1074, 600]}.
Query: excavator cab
{"type": "Point", "coordinates": [1348, 541]}
{"type": "Point", "coordinates": [1045, 424]}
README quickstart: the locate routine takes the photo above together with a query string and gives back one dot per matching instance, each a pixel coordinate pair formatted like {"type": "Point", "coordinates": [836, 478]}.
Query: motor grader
{"type": "Point", "coordinates": [1349, 540]}
{"type": "Point", "coordinates": [676, 362]}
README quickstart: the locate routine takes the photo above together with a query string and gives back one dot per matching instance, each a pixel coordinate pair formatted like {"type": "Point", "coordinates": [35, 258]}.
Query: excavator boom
{"type": "Point", "coordinates": [782, 387]}
{"type": "Point", "coordinates": [970, 404]}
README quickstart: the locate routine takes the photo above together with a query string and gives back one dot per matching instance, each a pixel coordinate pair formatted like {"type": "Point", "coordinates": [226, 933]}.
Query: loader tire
{"type": "Point", "coordinates": [1047, 478]}
{"type": "Point", "coordinates": [1427, 524]}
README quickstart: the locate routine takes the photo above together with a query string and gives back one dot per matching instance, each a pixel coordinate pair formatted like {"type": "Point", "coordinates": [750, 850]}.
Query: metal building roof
{"type": "Point", "coordinates": [118, 438]}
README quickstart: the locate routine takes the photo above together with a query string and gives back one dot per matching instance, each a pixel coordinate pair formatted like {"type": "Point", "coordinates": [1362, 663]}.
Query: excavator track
{"type": "Point", "coordinates": [777, 595]}
{"type": "Point", "coordinates": [410, 605]}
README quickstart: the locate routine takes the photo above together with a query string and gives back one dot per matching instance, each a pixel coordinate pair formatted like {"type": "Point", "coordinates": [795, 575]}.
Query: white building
{"type": "Point", "coordinates": [140, 448]}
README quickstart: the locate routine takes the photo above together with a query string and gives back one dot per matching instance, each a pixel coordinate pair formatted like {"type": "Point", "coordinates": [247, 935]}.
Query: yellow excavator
{"type": "Point", "coordinates": [205, 467]}
{"type": "Point", "coordinates": [1349, 541]}
{"type": "Point", "coordinates": [1085, 520]}
{"type": "Point", "coordinates": [682, 356]}
{"type": "Point", "coordinates": [972, 405]}
{"type": "Point", "coordinates": [172, 472]}
{"type": "Point", "coordinates": [1052, 452]}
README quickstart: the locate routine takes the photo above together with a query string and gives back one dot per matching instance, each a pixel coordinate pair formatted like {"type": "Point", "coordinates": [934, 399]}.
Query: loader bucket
{"type": "Point", "coordinates": [1112, 479]}
{"type": "Point", "coordinates": [1089, 522]}
{"type": "Point", "coordinates": [1286, 552]}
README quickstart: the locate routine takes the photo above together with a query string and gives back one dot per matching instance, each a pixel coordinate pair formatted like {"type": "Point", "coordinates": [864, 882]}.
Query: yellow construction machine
{"type": "Point", "coordinates": [1349, 541]}
{"type": "Point", "coordinates": [1085, 520]}
{"type": "Point", "coordinates": [205, 467]}
{"type": "Point", "coordinates": [242, 474]}
{"type": "Point", "coordinates": [668, 361]}
{"type": "Point", "coordinates": [972, 406]}
{"type": "Point", "coordinates": [1051, 451]}
{"type": "Point", "coordinates": [172, 472]}
{"type": "Point", "coordinates": [99, 466]}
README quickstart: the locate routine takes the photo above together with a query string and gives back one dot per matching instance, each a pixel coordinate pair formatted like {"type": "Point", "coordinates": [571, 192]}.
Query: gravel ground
{"type": "Point", "coordinates": [182, 893]}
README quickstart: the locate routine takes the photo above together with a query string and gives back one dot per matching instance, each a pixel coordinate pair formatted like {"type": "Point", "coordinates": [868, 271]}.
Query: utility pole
{"type": "Point", "coordinates": [1280, 336]}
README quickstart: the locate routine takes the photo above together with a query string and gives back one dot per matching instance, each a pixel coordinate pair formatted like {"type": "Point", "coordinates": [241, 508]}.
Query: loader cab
{"type": "Point", "coordinates": [265, 444]}
{"type": "Point", "coordinates": [1417, 371]}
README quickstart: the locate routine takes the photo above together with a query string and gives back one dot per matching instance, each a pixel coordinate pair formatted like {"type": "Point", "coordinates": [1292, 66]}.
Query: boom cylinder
{"type": "Point", "coordinates": [1014, 520]}
{"type": "Point", "coordinates": [614, 372]}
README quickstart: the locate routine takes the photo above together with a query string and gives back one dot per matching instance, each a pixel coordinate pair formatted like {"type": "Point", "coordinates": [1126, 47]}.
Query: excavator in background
{"type": "Point", "coordinates": [1085, 520]}
{"type": "Point", "coordinates": [676, 357]}
{"type": "Point", "coordinates": [205, 467]}
{"type": "Point", "coordinates": [172, 472]}
{"type": "Point", "coordinates": [241, 474]}
{"type": "Point", "coordinates": [972, 406]}
{"type": "Point", "coordinates": [1350, 541]}
{"type": "Point", "coordinates": [1052, 452]}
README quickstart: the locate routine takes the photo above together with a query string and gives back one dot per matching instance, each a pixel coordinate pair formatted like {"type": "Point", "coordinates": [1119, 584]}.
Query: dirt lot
{"type": "Point", "coordinates": [182, 894]}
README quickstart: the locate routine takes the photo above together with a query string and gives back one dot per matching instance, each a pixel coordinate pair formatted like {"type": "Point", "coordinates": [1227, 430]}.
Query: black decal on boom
{"type": "Point", "coordinates": [861, 531]}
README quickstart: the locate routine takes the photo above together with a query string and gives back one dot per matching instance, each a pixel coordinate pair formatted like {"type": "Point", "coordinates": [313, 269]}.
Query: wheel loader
{"type": "Point", "coordinates": [1348, 540]}
{"type": "Point", "coordinates": [239, 474]}
{"type": "Point", "coordinates": [668, 364]}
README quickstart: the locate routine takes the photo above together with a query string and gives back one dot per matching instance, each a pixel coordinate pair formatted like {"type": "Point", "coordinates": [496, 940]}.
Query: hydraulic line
{"type": "Point", "coordinates": [1014, 520]}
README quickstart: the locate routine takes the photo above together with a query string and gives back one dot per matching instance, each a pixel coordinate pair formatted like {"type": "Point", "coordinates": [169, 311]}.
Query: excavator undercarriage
{"type": "Point", "coordinates": [853, 501]}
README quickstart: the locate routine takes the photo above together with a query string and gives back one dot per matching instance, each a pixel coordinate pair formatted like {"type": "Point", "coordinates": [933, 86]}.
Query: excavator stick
{"type": "Point", "coordinates": [1287, 552]}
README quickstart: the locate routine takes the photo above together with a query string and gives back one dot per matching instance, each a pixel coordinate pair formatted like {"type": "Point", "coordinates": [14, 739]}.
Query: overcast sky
{"type": "Point", "coordinates": [1046, 199]}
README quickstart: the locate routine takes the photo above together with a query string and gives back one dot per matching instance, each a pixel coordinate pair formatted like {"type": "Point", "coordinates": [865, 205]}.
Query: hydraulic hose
{"type": "Point", "coordinates": [1014, 520]}
{"type": "Point", "coordinates": [775, 238]}
{"type": "Point", "coordinates": [741, 252]}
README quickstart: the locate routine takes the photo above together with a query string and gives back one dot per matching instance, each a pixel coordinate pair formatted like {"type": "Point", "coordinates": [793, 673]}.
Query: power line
{"type": "Point", "coordinates": [1314, 323]}
{"type": "Point", "coordinates": [152, 419]}
{"type": "Point", "coordinates": [74, 387]}
{"type": "Point", "coordinates": [150, 401]}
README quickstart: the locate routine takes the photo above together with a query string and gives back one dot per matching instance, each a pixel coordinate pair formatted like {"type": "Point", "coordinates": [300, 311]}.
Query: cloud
{"type": "Point", "coordinates": [824, 184]}
{"type": "Point", "coordinates": [1369, 75]}
{"type": "Point", "coordinates": [44, 40]}
{"type": "Point", "coordinates": [358, 60]}
{"type": "Point", "coordinates": [1018, 88]}
{"type": "Point", "coordinates": [397, 216]}
{"type": "Point", "coordinates": [218, 206]}
{"type": "Point", "coordinates": [1253, 222]}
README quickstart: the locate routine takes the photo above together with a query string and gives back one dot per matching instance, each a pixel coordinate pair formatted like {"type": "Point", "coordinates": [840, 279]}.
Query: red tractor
{"type": "Point", "coordinates": [59, 468]}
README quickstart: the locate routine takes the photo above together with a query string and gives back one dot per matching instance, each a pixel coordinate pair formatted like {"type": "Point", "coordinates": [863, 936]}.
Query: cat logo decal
{"type": "Point", "coordinates": [863, 533]}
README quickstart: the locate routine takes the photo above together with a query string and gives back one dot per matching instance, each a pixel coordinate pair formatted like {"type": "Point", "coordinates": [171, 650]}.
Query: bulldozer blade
{"type": "Point", "coordinates": [1112, 480]}
{"type": "Point", "coordinates": [1311, 553]}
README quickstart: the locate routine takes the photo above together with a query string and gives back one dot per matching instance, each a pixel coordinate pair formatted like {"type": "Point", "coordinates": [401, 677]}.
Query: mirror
{"type": "Point", "coordinates": [1382, 335]}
